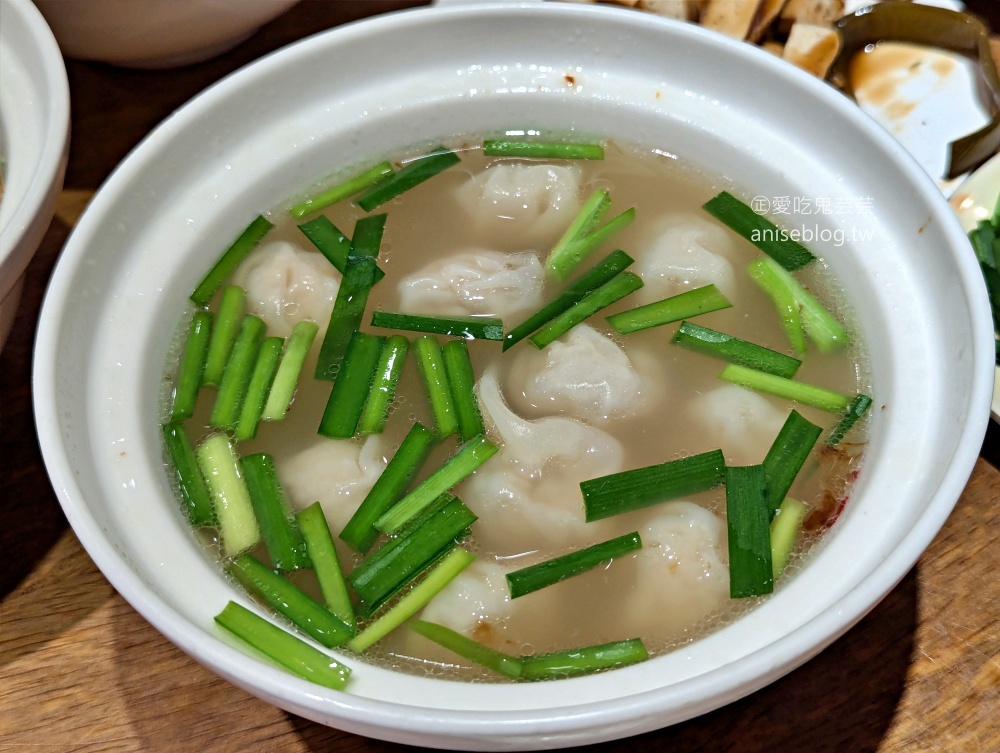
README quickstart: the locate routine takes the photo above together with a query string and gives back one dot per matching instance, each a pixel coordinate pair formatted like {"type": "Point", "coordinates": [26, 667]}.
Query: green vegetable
{"type": "Point", "coordinates": [632, 490]}
{"type": "Point", "coordinates": [259, 387]}
{"type": "Point", "coordinates": [586, 220]}
{"type": "Point", "coordinates": [852, 414]}
{"type": "Point", "coordinates": [283, 388]}
{"type": "Point", "coordinates": [784, 531]}
{"type": "Point", "coordinates": [471, 455]}
{"type": "Point", "coordinates": [288, 599]}
{"type": "Point", "coordinates": [352, 388]}
{"type": "Point", "coordinates": [501, 663]}
{"type": "Point", "coordinates": [227, 325]}
{"type": "Point", "coordinates": [541, 150]}
{"type": "Point", "coordinates": [590, 280]}
{"type": "Point", "coordinates": [610, 292]}
{"type": "Point", "coordinates": [414, 600]}
{"type": "Point", "coordinates": [471, 327]}
{"type": "Point", "coordinates": [761, 232]}
{"type": "Point", "coordinates": [681, 306]}
{"type": "Point", "coordinates": [194, 492]}
{"type": "Point", "coordinates": [789, 389]}
{"type": "Point", "coordinates": [462, 380]}
{"type": "Point", "coordinates": [230, 260]}
{"type": "Point", "coordinates": [360, 532]}
{"type": "Point", "coordinates": [583, 246]}
{"type": "Point", "coordinates": [786, 456]}
{"type": "Point", "coordinates": [716, 344]}
{"type": "Point", "coordinates": [192, 366]}
{"type": "Point", "coordinates": [239, 371]}
{"type": "Point", "coordinates": [356, 184]}
{"type": "Point", "coordinates": [748, 518]}
{"type": "Point", "coordinates": [430, 360]}
{"type": "Point", "coordinates": [345, 318]}
{"type": "Point", "coordinates": [383, 390]}
{"type": "Point", "coordinates": [581, 661]}
{"type": "Point", "coordinates": [530, 579]}
{"type": "Point", "coordinates": [274, 515]}
{"type": "Point", "coordinates": [323, 554]}
{"type": "Point", "coordinates": [332, 243]}
{"type": "Point", "coordinates": [220, 468]}
{"type": "Point", "coordinates": [411, 175]}
{"type": "Point", "coordinates": [293, 654]}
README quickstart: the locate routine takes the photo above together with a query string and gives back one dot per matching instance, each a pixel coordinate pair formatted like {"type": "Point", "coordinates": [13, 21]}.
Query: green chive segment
{"type": "Point", "coordinates": [192, 366]}
{"type": "Point", "coordinates": [786, 456]}
{"type": "Point", "coordinates": [717, 344]}
{"type": "Point", "coordinates": [563, 260]}
{"type": "Point", "coordinates": [581, 661]}
{"type": "Point", "coordinates": [224, 331]}
{"type": "Point", "coordinates": [259, 387]}
{"type": "Point", "coordinates": [760, 231]}
{"type": "Point", "coordinates": [784, 532]}
{"type": "Point", "coordinates": [352, 388]}
{"type": "Point", "coordinates": [383, 389]}
{"type": "Point", "coordinates": [230, 260]}
{"type": "Point", "coordinates": [345, 318]}
{"type": "Point", "coordinates": [323, 555]}
{"type": "Point", "coordinates": [477, 653]}
{"type": "Point", "coordinates": [411, 175]}
{"type": "Point", "coordinates": [239, 371]}
{"type": "Point", "coordinates": [292, 653]}
{"type": "Point", "coordinates": [194, 492]}
{"type": "Point", "coordinates": [632, 490]}
{"type": "Point", "coordinates": [789, 389]}
{"type": "Point", "coordinates": [462, 380]}
{"type": "Point", "coordinates": [470, 327]}
{"type": "Point", "coordinates": [285, 380]}
{"type": "Point", "coordinates": [332, 243]}
{"type": "Point", "coordinates": [346, 189]}
{"type": "Point", "coordinates": [274, 515]}
{"type": "Point", "coordinates": [681, 306]}
{"type": "Point", "coordinates": [471, 455]}
{"type": "Point", "coordinates": [430, 360]}
{"type": "Point", "coordinates": [541, 150]}
{"type": "Point", "coordinates": [610, 292]}
{"type": "Point", "coordinates": [858, 407]}
{"type": "Point", "coordinates": [234, 512]}
{"type": "Point", "coordinates": [748, 520]}
{"type": "Point", "coordinates": [538, 576]}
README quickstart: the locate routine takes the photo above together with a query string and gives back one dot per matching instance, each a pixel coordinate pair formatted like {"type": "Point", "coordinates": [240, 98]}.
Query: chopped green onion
{"type": "Point", "coordinates": [477, 653]}
{"type": "Point", "coordinates": [274, 515]}
{"type": "Point", "coordinates": [285, 597]}
{"type": "Point", "coordinates": [326, 564]}
{"type": "Point", "coordinates": [460, 465]}
{"type": "Point", "coordinates": [820, 326]}
{"type": "Point", "coordinates": [350, 391]}
{"type": "Point", "coordinates": [391, 567]}
{"type": "Point", "coordinates": [716, 344]}
{"type": "Point", "coordinates": [220, 468]}
{"type": "Point", "coordinates": [283, 388]}
{"type": "Point", "coordinates": [192, 366]}
{"type": "Point", "coordinates": [344, 190]}
{"type": "Point", "coordinates": [383, 391]}
{"type": "Point", "coordinates": [581, 247]}
{"type": "Point", "coordinates": [858, 407]}
{"type": "Point", "coordinates": [471, 327]}
{"type": "Point", "coordinates": [345, 318]}
{"type": "Point", "coordinates": [632, 490]}
{"type": "Point", "coordinates": [590, 280]}
{"type": "Point", "coordinates": [681, 306]}
{"type": "Point", "coordinates": [586, 220]}
{"type": "Point", "coordinates": [761, 232]}
{"type": "Point", "coordinates": [748, 520]}
{"type": "Point", "coordinates": [368, 233]}
{"type": "Point", "coordinates": [194, 493]}
{"type": "Point", "coordinates": [227, 325]}
{"type": "Point", "coordinates": [581, 661]}
{"type": "Point", "coordinates": [788, 389]}
{"type": "Point", "coordinates": [785, 529]}
{"type": "Point", "coordinates": [785, 304]}
{"type": "Point", "coordinates": [260, 385]}
{"type": "Point", "coordinates": [332, 243]}
{"type": "Point", "coordinates": [431, 363]}
{"type": "Point", "coordinates": [984, 238]}
{"type": "Point", "coordinates": [613, 290]}
{"type": "Point", "coordinates": [360, 532]}
{"type": "Point", "coordinates": [534, 577]}
{"type": "Point", "coordinates": [786, 456]}
{"type": "Point", "coordinates": [541, 150]}
{"type": "Point", "coordinates": [292, 653]}
{"type": "Point", "coordinates": [411, 175]}
{"type": "Point", "coordinates": [414, 600]}
{"type": "Point", "coordinates": [230, 260]}
{"type": "Point", "coordinates": [462, 380]}
{"type": "Point", "coordinates": [236, 377]}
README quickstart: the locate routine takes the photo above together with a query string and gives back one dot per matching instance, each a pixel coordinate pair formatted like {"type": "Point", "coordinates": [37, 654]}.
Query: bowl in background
{"type": "Point", "coordinates": [34, 143]}
{"type": "Point", "coordinates": [155, 33]}
{"type": "Point", "coordinates": [258, 137]}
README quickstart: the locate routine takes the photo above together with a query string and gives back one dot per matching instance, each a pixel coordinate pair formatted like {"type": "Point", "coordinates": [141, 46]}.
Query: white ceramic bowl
{"type": "Point", "coordinates": [256, 138]}
{"type": "Point", "coordinates": [155, 33]}
{"type": "Point", "coordinates": [34, 139]}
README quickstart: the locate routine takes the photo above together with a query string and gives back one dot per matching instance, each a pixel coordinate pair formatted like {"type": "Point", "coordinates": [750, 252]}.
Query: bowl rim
{"type": "Point", "coordinates": [14, 254]}
{"type": "Point", "coordinates": [747, 675]}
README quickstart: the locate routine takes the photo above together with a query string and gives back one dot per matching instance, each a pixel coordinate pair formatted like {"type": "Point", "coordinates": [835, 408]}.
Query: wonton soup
{"type": "Point", "coordinates": [600, 399]}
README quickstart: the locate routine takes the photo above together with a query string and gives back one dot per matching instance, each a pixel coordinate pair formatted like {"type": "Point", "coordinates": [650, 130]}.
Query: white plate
{"type": "Point", "coordinates": [973, 201]}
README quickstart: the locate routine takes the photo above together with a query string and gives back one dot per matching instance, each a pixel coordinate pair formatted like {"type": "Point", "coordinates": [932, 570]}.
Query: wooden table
{"type": "Point", "coordinates": [81, 671]}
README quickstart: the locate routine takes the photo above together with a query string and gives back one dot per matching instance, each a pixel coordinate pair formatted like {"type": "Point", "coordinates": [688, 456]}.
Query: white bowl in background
{"type": "Point", "coordinates": [155, 33]}
{"type": "Point", "coordinates": [260, 136]}
{"type": "Point", "coordinates": [34, 143]}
